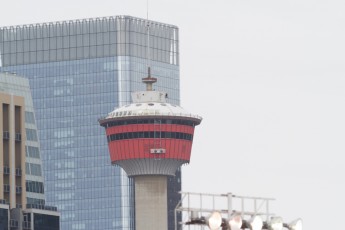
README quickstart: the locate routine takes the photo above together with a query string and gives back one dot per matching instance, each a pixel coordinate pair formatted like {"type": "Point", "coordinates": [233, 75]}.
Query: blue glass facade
{"type": "Point", "coordinates": [4, 218]}
{"type": "Point", "coordinates": [78, 72]}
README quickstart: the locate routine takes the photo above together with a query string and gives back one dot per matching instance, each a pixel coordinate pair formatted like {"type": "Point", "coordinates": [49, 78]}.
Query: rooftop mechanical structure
{"type": "Point", "coordinates": [150, 139]}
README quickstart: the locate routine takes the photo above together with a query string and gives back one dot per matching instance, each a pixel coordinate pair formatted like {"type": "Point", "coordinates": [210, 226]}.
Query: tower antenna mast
{"type": "Point", "coordinates": [148, 34]}
{"type": "Point", "coordinates": [147, 10]}
{"type": "Point", "coordinates": [148, 80]}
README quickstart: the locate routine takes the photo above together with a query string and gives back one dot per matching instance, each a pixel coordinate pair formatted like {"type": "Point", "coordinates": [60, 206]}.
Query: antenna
{"type": "Point", "coordinates": [147, 34]}
{"type": "Point", "coordinates": [148, 80]}
{"type": "Point", "coordinates": [147, 10]}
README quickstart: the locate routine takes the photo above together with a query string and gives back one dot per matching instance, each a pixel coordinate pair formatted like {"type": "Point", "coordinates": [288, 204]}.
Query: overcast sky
{"type": "Point", "coordinates": [267, 76]}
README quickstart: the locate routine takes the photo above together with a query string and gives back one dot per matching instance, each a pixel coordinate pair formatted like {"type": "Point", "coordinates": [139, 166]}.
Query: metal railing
{"type": "Point", "coordinates": [42, 207]}
{"type": "Point", "coordinates": [6, 188]}
{"type": "Point", "coordinates": [194, 205]}
{"type": "Point", "coordinates": [18, 189]}
{"type": "Point", "coordinates": [18, 171]}
{"type": "Point", "coordinates": [18, 137]}
{"type": "Point", "coordinates": [6, 135]}
{"type": "Point", "coordinates": [6, 170]}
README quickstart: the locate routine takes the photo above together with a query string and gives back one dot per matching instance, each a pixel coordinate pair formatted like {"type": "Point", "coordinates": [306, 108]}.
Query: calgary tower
{"type": "Point", "coordinates": [150, 139]}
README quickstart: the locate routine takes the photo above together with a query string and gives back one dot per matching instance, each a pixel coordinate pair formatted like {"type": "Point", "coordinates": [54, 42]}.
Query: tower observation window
{"type": "Point", "coordinates": [151, 121]}
{"type": "Point", "coordinates": [149, 134]}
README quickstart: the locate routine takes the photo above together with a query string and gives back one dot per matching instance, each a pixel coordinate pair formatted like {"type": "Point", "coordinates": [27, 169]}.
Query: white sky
{"type": "Point", "coordinates": [267, 76]}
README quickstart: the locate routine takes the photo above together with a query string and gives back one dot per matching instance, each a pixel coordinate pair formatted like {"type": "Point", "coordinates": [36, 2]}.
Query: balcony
{"type": "Point", "coordinates": [18, 172]}
{"type": "Point", "coordinates": [6, 188]}
{"type": "Point", "coordinates": [6, 135]}
{"type": "Point", "coordinates": [6, 170]}
{"type": "Point", "coordinates": [18, 137]}
{"type": "Point", "coordinates": [42, 207]}
{"type": "Point", "coordinates": [18, 189]}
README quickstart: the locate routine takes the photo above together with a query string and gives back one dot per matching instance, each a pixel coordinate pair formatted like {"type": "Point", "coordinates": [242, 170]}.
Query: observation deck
{"type": "Point", "coordinates": [150, 136]}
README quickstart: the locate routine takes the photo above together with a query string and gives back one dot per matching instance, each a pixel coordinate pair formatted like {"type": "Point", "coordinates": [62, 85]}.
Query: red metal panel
{"type": "Point", "coordinates": [175, 148]}
{"type": "Point", "coordinates": [172, 148]}
{"type": "Point", "coordinates": [140, 148]}
{"type": "Point", "coordinates": [109, 131]}
{"type": "Point", "coordinates": [124, 148]}
{"type": "Point", "coordinates": [129, 152]}
{"type": "Point", "coordinates": [179, 149]}
{"type": "Point", "coordinates": [112, 151]}
{"type": "Point", "coordinates": [189, 144]}
{"type": "Point", "coordinates": [124, 153]}
{"type": "Point", "coordinates": [117, 153]}
{"type": "Point", "coordinates": [164, 144]}
{"type": "Point", "coordinates": [150, 127]}
{"type": "Point", "coordinates": [120, 151]}
{"type": "Point", "coordinates": [135, 148]}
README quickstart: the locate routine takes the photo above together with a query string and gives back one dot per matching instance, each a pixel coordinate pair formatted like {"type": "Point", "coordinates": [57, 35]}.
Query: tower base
{"type": "Point", "coordinates": [151, 203]}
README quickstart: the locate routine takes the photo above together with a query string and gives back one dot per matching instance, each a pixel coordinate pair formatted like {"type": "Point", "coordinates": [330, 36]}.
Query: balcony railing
{"type": "Point", "coordinates": [6, 170]}
{"type": "Point", "coordinates": [6, 135]}
{"type": "Point", "coordinates": [18, 171]}
{"type": "Point", "coordinates": [18, 137]}
{"type": "Point", "coordinates": [6, 188]}
{"type": "Point", "coordinates": [42, 207]}
{"type": "Point", "coordinates": [18, 189]}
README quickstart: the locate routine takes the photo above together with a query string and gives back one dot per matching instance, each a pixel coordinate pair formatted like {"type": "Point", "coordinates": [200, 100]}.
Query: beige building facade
{"type": "Point", "coordinates": [12, 151]}
{"type": "Point", "coordinates": [22, 201]}
{"type": "Point", "coordinates": [18, 132]}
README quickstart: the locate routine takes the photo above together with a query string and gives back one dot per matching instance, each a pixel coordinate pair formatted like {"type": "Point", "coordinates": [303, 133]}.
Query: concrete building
{"type": "Point", "coordinates": [12, 151]}
{"type": "Point", "coordinates": [150, 139]}
{"type": "Point", "coordinates": [78, 71]}
{"type": "Point", "coordinates": [20, 175]}
{"type": "Point", "coordinates": [18, 86]}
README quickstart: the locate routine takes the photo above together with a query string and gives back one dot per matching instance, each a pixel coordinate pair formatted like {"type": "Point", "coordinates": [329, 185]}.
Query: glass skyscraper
{"type": "Point", "coordinates": [78, 70]}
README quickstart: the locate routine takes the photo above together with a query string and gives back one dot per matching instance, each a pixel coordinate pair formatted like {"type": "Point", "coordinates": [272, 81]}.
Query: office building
{"type": "Point", "coordinates": [19, 86]}
{"type": "Point", "coordinates": [22, 203]}
{"type": "Point", "coordinates": [12, 151]}
{"type": "Point", "coordinates": [78, 71]}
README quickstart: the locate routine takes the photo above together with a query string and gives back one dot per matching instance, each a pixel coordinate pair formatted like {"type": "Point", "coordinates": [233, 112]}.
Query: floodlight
{"type": "Point", "coordinates": [295, 225]}
{"type": "Point", "coordinates": [276, 223]}
{"type": "Point", "coordinates": [256, 223]}
{"type": "Point", "coordinates": [214, 221]}
{"type": "Point", "coordinates": [194, 215]}
{"type": "Point", "coordinates": [235, 222]}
